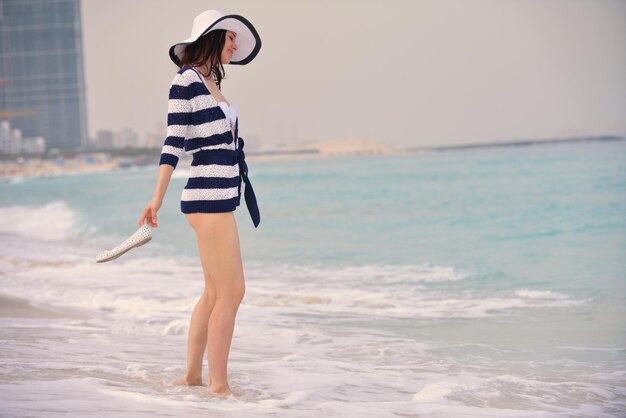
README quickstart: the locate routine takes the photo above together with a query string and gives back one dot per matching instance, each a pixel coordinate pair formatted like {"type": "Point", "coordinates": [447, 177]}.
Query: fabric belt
{"type": "Point", "coordinates": [251, 203]}
{"type": "Point", "coordinates": [206, 155]}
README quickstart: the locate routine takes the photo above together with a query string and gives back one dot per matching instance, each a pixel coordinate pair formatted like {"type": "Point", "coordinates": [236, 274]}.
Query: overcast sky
{"type": "Point", "coordinates": [405, 73]}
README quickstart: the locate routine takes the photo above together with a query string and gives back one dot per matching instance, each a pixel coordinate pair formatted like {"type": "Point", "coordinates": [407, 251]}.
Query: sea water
{"type": "Point", "coordinates": [487, 282]}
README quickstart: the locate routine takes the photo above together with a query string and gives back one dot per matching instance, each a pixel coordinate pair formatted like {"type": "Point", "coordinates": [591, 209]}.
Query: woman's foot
{"type": "Point", "coordinates": [186, 381]}
{"type": "Point", "coordinates": [221, 391]}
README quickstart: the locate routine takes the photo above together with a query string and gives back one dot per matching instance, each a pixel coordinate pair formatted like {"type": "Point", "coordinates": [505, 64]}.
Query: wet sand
{"type": "Point", "coordinates": [12, 307]}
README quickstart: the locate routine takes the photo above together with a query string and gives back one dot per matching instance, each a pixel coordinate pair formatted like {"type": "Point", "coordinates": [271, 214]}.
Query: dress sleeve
{"type": "Point", "coordinates": [178, 118]}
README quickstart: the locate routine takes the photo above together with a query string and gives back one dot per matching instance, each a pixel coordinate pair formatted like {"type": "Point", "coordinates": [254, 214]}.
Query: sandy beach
{"type": "Point", "coordinates": [12, 307]}
{"type": "Point", "coordinates": [101, 161]}
{"type": "Point", "coordinates": [19, 167]}
{"type": "Point", "coordinates": [45, 167]}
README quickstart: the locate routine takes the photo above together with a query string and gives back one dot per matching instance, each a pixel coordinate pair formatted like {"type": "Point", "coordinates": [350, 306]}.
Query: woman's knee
{"type": "Point", "coordinates": [238, 292]}
{"type": "Point", "coordinates": [241, 291]}
{"type": "Point", "coordinates": [208, 296]}
{"type": "Point", "coordinates": [233, 294]}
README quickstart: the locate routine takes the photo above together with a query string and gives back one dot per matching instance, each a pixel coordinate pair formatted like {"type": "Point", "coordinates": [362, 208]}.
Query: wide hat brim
{"type": "Point", "coordinates": [248, 40]}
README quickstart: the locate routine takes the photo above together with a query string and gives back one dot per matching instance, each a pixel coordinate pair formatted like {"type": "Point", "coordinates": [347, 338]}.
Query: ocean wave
{"type": "Point", "coordinates": [364, 274]}
{"type": "Point", "coordinates": [406, 291]}
{"type": "Point", "coordinates": [159, 291]}
{"type": "Point", "coordinates": [399, 303]}
{"type": "Point", "coordinates": [50, 222]}
{"type": "Point", "coordinates": [539, 294]}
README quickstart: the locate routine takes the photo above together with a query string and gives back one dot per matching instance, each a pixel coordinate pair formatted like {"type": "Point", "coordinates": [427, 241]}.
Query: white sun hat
{"type": "Point", "coordinates": [248, 40]}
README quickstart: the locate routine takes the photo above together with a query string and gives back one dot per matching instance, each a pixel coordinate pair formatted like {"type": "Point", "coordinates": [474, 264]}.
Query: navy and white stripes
{"type": "Point", "coordinates": [194, 121]}
{"type": "Point", "coordinates": [198, 126]}
{"type": "Point", "coordinates": [214, 183]}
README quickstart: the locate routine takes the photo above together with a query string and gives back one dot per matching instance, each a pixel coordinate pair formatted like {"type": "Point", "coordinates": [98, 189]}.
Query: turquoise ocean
{"type": "Point", "coordinates": [461, 283]}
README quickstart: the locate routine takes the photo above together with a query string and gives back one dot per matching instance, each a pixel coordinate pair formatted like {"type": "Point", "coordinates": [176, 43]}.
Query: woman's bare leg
{"type": "Point", "coordinates": [197, 340]}
{"type": "Point", "coordinates": [218, 246]}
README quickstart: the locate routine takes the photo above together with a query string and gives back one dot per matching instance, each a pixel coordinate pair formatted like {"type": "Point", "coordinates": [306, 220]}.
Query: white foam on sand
{"type": "Point", "coordinates": [156, 287]}
{"type": "Point", "coordinates": [510, 396]}
{"type": "Point", "coordinates": [305, 344]}
{"type": "Point", "coordinates": [540, 294]}
{"type": "Point", "coordinates": [386, 291]}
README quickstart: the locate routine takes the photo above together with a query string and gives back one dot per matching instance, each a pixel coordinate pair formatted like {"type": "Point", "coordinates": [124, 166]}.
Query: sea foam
{"type": "Point", "coordinates": [51, 222]}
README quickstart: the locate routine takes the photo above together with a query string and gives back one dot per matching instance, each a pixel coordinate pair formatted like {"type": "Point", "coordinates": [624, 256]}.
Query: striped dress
{"type": "Point", "coordinates": [197, 125]}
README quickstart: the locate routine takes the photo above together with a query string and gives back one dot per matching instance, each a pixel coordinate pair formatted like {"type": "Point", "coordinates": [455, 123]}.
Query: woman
{"type": "Point", "coordinates": [202, 123]}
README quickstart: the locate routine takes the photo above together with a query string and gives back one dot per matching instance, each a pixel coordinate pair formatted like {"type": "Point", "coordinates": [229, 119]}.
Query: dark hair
{"type": "Point", "coordinates": [207, 49]}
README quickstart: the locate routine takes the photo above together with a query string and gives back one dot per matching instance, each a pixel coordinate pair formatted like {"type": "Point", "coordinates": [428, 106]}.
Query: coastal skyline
{"type": "Point", "coordinates": [414, 74]}
{"type": "Point", "coordinates": [42, 85]}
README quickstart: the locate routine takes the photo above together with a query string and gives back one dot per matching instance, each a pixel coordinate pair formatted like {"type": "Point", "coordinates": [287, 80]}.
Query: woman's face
{"type": "Point", "coordinates": [230, 46]}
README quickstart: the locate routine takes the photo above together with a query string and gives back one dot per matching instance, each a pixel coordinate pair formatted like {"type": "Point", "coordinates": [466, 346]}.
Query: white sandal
{"type": "Point", "coordinates": [139, 238]}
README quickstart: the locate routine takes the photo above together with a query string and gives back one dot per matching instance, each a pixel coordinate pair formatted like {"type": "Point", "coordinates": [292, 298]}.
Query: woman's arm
{"type": "Point", "coordinates": [178, 118]}
{"type": "Point", "coordinates": [149, 214]}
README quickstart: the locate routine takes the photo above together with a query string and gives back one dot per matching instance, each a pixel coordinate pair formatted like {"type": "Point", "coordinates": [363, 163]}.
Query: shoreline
{"type": "Point", "coordinates": [16, 170]}
{"type": "Point", "coordinates": [524, 143]}
{"type": "Point", "coordinates": [14, 307]}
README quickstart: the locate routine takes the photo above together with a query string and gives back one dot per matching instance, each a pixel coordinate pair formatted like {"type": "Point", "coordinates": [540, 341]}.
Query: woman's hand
{"type": "Point", "coordinates": [150, 213]}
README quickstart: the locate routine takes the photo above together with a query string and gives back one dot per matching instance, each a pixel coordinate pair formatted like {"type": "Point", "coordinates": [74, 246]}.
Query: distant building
{"type": "Point", "coordinates": [107, 139]}
{"type": "Point", "coordinates": [35, 145]}
{"type": "Point", "coordinates": [104, 139]}
{"type": "Point", "coordinates": [153, 140]}
{"type": "Point", "coordinates": [42, 86]}
{"type": "Point", "coordinates": [11, 141]}
{"type": "Point", "coordinates": [127, 138]}
{"type": "Point", "coordinates": [156, 138]}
